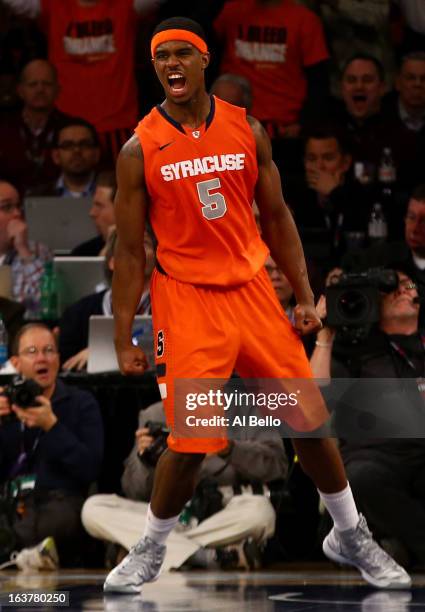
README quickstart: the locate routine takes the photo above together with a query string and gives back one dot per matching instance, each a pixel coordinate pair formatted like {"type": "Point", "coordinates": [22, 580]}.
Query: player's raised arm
{"type": "Point", "coordinates": [280, 232]}
{"type": "Point", "coordinates": [129, 258]}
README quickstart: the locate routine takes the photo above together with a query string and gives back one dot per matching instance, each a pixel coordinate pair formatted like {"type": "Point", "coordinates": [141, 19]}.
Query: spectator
{"type": "Point", "coordinates": [329, 202]}
{"type": "Point", "coordinates": [26, 136]}
{"type": "Point", "coordinates": [404, 110]}
{"type": "Point", "coordinates": [386, 475]}
{"type": "Point", "coordinates": [74, 325]}
{"type": "Point", "coordinates": [51, 452]}
{"type": "Point", "coordinates": [244, 518]}
{"type": "Point", "coordinates": [25, 258]}
{"type": "Point", "coordinates": [359, 112]}
{"type": "Point", "coordinates": [91, 43]}
{"type": "Point", "coordinates": [103, 214]}
{"type": "Point", "coordinates": [279, 47]}
{"type": "Point", "coordinates": [76, 152]}
{"type": "Point", "coordinates": [234, 89]}
{"type": "Point", "coordinates": [409, 105]}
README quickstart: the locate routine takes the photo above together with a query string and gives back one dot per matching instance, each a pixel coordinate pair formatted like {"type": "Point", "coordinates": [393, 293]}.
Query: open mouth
{"type": "Point", "coordinates": [177, 82]}
{"type": "Point", "coordinates": [42, 371]}
{"type": "Point", "coordinates": [359, 98]}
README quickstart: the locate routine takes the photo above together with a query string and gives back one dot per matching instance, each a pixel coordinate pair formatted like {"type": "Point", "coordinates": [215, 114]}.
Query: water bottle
{"type": "Point", "coordinates": [377, 228]}
{"type": "Point", "coordinates": [3, 343]}
{"type": "Point", "coordinates": [387, 173]}
{"type": "Point", "coordinates": [49, 293]}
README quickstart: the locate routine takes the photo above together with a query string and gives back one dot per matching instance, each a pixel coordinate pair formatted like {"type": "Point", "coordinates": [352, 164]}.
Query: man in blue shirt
{"type": "Point", "coordinates": [52, 452]}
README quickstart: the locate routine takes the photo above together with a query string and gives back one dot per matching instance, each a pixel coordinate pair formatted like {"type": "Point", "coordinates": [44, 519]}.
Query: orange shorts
{"type": "Point", "coordinates": [208, 332]}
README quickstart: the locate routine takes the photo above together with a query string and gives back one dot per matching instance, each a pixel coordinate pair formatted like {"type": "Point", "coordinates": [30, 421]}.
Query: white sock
{"type": "Point", "coordinates": [158, 529]}
{"type": "Point", "coordinates": [342, 508]}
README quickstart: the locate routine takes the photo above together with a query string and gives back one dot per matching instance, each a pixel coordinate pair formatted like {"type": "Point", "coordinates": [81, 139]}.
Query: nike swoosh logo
{"type": "Point", "coordinates": [167, 144]}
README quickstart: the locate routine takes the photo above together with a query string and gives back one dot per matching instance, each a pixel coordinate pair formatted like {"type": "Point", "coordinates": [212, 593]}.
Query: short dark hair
{"type": "Point", "coordinates": [366, 57]}
{"type": "Point", "coordinates": [75, 122]}
{"type": "Point", "coordinates": [26, 328]}
{"type": "Point", "coordinates": [419, 193]}
{"type": "Point", "coordinates": [107, 178]}
{"type": "Point", "coordinates": [413, 55]}
{"type": "Point", "coordinates": [323, 131]}
{"type": "Point", "coordinates": [52, 67]}
{"type": "Point", "coordinates": [180, 23]}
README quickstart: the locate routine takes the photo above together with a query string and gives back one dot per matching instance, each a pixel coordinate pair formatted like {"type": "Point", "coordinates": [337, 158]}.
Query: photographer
{"type": "Point", "coordinates": [245, 521]}
{"type": "Point", "coordinates": [387, 475]}
{"type": "Point", "coordinates": [50, 450]}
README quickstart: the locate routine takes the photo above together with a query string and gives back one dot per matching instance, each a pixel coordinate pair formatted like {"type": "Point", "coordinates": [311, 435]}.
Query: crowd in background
{"type": "Point", "coordinates": [339, 86]}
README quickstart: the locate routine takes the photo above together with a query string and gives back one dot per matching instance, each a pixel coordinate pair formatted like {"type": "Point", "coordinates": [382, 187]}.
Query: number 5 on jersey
{"type": "Point", "coordinates": [160, 344]}
{"type": "Point", "coordinates": [214, 204]}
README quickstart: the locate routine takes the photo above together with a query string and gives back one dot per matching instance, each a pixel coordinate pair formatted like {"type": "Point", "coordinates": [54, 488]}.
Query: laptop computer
{"type": "Point", "coordinates": [102, 357]}
{"type": "Point", "coordinates": [60, 223]}
{"type": "Point", "coordinates": [78, 277]}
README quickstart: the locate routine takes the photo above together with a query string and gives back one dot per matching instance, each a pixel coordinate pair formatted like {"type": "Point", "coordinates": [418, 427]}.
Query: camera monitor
{"type": "Point", "coordinates": [102, 357]}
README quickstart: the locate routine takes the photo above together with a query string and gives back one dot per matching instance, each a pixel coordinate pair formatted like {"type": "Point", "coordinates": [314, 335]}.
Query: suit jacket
{"type": "Point", "coordinates": [346, 209]}
{"type": "Point", "coordinates": [90, 248]}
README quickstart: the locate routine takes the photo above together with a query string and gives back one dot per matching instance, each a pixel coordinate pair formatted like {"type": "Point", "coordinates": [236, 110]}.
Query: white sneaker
{"type": "Point", "coordinates": [142, 564]}
{"type": "Point", "coordinates": [44, 556]}
{"type": "Point", "coordinates": [356, 547]}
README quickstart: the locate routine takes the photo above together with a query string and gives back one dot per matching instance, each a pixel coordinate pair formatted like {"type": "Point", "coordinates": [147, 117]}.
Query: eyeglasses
{"type": "Point", "coordinates": [69, 145]}
{"type": "Point", "coordinates": [8, 207]}
{"type": "Point", "coordinates": [33, 351]}
{"type": "Point", "coordinates": [407, 284]}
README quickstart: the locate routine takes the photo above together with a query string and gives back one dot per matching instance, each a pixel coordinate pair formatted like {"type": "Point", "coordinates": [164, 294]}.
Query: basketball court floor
{"type": "Point", "coordinates": [291, 589]}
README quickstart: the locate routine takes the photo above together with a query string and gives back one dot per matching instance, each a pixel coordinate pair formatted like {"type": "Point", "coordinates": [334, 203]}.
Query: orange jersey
{"type": "Point", "coordinates": [201, 187]}
{"type": "Point", "coordinates": [271, 45]}
{"type": "Point", "coordinates": [92, 48]}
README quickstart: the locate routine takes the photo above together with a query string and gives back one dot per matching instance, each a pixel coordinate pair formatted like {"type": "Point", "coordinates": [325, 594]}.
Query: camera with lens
{"type": "Point", "coordinates": [353, 301]}
{"type": "Point", "coordinates": [159, 433]}
{"type": "Point", "coordinates": [21, 392]}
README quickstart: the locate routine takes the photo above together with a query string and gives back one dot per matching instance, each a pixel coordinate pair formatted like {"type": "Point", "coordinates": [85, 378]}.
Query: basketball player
{"type": "Point", "coordinates": [194, 166]}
